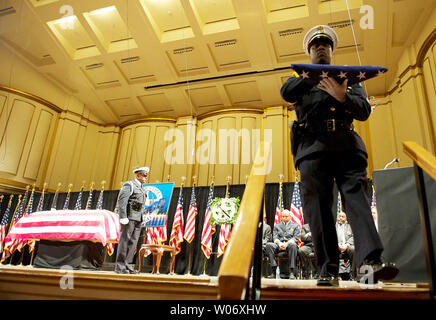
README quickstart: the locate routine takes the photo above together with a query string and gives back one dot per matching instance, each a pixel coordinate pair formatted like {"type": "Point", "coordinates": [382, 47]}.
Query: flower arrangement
{"type": "Point", "coordinates": [224, 210]}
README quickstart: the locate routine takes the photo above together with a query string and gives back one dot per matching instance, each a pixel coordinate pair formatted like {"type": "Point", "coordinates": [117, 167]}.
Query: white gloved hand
{"type": "Point", "coordinates": [124, 220]}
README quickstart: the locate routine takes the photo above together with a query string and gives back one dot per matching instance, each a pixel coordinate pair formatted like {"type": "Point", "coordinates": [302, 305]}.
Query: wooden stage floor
{"type": "Point", "coordinates": [25, 282]}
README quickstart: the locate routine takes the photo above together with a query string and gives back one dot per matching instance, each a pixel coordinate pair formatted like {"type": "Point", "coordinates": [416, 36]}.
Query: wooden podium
{"type": "Point", "coordinates": [157, 250]}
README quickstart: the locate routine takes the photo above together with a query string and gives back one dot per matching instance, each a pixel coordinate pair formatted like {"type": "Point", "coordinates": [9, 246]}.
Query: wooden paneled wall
{"type": "Point", "coordinates": [41, 142]}
{"type": "Point", "coordinates": [26, 129]}
{"type": "Point", "coordinates": [407, 112]}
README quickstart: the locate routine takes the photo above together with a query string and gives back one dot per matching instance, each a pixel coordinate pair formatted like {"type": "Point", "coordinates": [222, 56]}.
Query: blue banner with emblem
{"type": "Point", "coordinates": [157, 203]}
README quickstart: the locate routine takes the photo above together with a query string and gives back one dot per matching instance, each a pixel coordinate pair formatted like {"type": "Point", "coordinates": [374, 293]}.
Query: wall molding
{"type": "Point", "coordinates": [31, 97]}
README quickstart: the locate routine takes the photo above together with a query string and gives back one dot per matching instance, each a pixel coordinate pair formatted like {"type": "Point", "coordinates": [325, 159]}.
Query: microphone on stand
{"type": "Point", "coordinates": [392, 162]}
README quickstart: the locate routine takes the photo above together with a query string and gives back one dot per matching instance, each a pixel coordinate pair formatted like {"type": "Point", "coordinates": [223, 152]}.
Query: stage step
{"type": "Point", "coordinates": [274, 289]}
{"type": "Point", "coordinates": [24, 282]}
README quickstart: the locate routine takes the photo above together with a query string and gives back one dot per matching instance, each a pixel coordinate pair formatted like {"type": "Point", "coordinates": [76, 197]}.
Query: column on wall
{"type": "Point", "coordinates": [276, 120]}
{"type": "Point", "coordinates": [82, 151]}
{"type": "Point", "coordinates": [227, 142]}
{"type": "Point", "coordinates": [180, 152]}
{"type": "Point", "coordinates": [143, 144]}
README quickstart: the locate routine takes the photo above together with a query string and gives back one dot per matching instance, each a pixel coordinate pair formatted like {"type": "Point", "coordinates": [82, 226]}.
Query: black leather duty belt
{"type": "Point", "coordinates": [332, 125]}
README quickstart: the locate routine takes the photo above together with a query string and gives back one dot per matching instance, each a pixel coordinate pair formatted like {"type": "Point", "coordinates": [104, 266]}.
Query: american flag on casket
{"type": "Point", "coordinates": [94, 225]}
{"type": "Point", "coordinates": [313, 73]}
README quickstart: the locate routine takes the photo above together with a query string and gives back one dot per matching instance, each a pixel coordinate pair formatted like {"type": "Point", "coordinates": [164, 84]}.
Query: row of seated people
{"type": "Point", "coordinates": [285, 240]}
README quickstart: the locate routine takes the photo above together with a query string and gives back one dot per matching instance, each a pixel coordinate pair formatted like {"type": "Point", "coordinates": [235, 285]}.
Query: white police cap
{"type": "Point", "coordinates": [142, 170]}
{"type": "Point", "coordinates": [320, 31]}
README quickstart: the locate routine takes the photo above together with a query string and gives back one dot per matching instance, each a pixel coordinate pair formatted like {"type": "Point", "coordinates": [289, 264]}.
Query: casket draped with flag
{"type": "Point", "coordinates": [313, 73]}
{"type": "Point", "coordinates": [94, 225]}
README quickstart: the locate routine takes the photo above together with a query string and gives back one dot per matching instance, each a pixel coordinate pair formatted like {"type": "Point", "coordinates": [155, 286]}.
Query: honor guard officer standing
{"type": "Point", "coordinates": [130, 206]}
{"type": "Point", "coordinates": [326, 149]}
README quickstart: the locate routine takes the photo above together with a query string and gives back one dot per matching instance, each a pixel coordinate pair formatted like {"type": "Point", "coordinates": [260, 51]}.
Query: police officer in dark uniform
{"type": "Point", "coordinates": [130, 206]}
{"type": "Point", "coordinates": [327, 149]}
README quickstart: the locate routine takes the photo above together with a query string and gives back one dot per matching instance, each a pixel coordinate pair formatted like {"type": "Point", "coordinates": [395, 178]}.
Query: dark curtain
{"type": "Point", "coordinates": [188, 251]}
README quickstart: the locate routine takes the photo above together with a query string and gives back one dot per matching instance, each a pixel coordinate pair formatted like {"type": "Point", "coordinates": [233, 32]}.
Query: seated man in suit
{"type": "Point", "coordinates": [345, 245]}
{"type": "Point", "coordinates": [266, 237]}
{"type": "Point", "coordinates": [285, 237]}
{"type": "Point", "coordinates": [305, 251]}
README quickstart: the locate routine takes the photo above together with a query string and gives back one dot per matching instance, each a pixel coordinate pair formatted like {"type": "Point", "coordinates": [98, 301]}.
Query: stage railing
{"type": "Point", "coordinates": [424, 160]}
{"type": "Point", "coordinates": [234, 272]}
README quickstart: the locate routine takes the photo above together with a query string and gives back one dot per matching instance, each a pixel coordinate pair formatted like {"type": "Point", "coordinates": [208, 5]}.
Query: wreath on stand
{"type": "Point", "coordinates": [224, 210]}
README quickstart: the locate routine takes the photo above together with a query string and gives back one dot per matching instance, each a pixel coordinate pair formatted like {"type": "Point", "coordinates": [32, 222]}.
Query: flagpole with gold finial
{"type": "Point", "coordinates": [228, 179]}
{"type": "Point", "coordinates": [281, 194]}
{"type": "Point", "coordinates": [32, 243]}
{"type": "Point", "coordinates": [55, 197]}
{"type": "Point", "coordinates": [115, 211]}
{"type": "Point", "coordinates": [205, 260]}
{"type": "Point", "coordinates": [15, 211]}
{"type": "Point", "coordinates": [91, 189]}
{"type": "Point", "coordinates": [17, 207]}
{"type": "Point", "coordinates": [9, 205]}
{"type": "Point", "coordinates": [190, 245]}
{"type": "Point", "coordinates": [43, 192]}
{"type": "Point", "coordinates": [68, 197]}
{"type": "Point", "coordinates": [26, 212]}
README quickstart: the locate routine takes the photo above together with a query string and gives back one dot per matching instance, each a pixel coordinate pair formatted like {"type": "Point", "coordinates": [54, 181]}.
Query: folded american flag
{"type": "Point", "coordinates": [94, 225]}
{"type": "Point", "coordinates": [313, 73]}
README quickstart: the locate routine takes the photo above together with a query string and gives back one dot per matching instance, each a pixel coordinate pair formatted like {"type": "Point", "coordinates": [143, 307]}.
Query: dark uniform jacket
{"type": "Point", "coordinates": [266, 234]}
{"type": "Point", "coordinates": [314, 106]}
{"type": "Point", "coordinates": [286, 232]}
{"type": "Point", "coordinates": [306, 238]}
{"type": "Point", "coordinates": [131, 201]}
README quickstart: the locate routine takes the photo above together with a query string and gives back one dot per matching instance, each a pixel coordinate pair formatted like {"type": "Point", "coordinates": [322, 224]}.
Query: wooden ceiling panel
{"type": "Point", "coordinates": [206, 97]}
{"type": "Point", "coordinates": [127, 59]}
{"type": "Point", "coordinates": [187, 61]}
{"type": "Point", "coordinates": [135, 69]}
{"type": "Point", "coordinates": [156, 103]}
{"type": "Point", "coordinates": [285, 10]}
{"type": "Point", "coordinates": [101, 76]}
{"type": "Point", "coordinates": [229, 54]}
{"type": "Point", "coordinates": [244, 94]}
{"type": "Point", "coordinates": [123, 108]}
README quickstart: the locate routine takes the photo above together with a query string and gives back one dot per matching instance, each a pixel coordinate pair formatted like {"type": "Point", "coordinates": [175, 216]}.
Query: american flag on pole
{"type": "Point", "coordinates": [89, 201]}
{"type": "Point", "coordinates": [190, 220]}
{"type": "Point", "coordinates": [151, 239]}
{"type": "Point", "coordinates": [22, 243]}
{"type": "Point", "coordinates": [11, 245]}
{"type": "Point", "coordinates": [100, 200]}
{"type": "Point", "coordinates": [40, 205]}
{"type": "Point", "coordinates": [208, 228]}
{"type": "Point", "coordinates": [279, 206]}
{"type": "Point", "coordinates": [93, 225]}
{"type": "Point", "coordinates": [4, 224]}
{"type": "Point", "coordinates": [296, 207]}
{"type": "Point", "coordinates": [297, 210]}
{"type": "Point", "coordinates": [78, 205]}
{"type": "Point", "coordinates": [224, 238]}
{"type": "Point", "coordinates": [55, 200]}
{"type": "Point", "coordinates": [313, 73]}
{"type": "Point", "coordinates": [176, 237]}
{"type": "Point", "coordinates": [67, 200]}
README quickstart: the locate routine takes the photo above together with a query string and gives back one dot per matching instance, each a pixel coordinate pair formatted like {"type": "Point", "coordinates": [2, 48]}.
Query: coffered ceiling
{"type": "Point", "coordinates": [130, 59]}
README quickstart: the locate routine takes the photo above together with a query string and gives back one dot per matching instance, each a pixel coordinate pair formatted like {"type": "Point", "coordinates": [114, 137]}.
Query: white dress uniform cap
{"type": "Point", "coordinates": [319, 32]}
{"type": "Point", "coordinates": [142, 170]}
